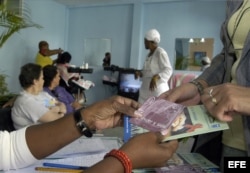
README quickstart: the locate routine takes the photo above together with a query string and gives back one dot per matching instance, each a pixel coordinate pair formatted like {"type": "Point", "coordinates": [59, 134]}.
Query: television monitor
{"type": "Point", "coordinates": [128, 86]}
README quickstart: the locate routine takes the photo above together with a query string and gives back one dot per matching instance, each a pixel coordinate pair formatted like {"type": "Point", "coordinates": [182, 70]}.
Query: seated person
{"type": "Point", "coordinates": [43, 56]}
{"type": "Point", "coordinates": [33, 105]}
{"type": "Point", "coordinates": [51, 85]}
{"type": "Point", "coordinates": [62, 63]}
{"type": "Point", "coordinates": [106, 60]}
{"type": "Point", "coordinates": [73, 81]}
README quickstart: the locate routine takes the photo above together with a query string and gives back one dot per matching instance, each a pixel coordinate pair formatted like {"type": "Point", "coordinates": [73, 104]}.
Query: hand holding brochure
{"type": "Point", "coordinates": [176, 121]}
{"type": "Point", "coordinates": [197, 121]}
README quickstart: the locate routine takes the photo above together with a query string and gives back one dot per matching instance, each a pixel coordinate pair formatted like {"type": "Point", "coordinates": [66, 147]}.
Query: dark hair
{"type": "Point", "coordinates": [107, 54]}
{"type": "Point", "coordinates": [42, 43]}
{"type": "Point", "coordinates": [63, 58]}
{"type": "Point", "coordinates": [29, 72]}
{"type": "Point", "coordinates": [49, 73]}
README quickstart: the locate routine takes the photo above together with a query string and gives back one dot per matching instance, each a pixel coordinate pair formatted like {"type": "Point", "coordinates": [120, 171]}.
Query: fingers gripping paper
{"type": "Point", "coordinates": [158, 114]}
{"type": "Point", "coordinates": [176, 121]}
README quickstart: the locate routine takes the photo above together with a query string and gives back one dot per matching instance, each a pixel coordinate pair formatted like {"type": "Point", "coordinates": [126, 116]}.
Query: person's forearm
{"type": "Point", "coordinates": [46, 138]}
{"type": "Point", "coordinates": [53, 52]}
{"type": "Point", "coordinates": [108, 165]}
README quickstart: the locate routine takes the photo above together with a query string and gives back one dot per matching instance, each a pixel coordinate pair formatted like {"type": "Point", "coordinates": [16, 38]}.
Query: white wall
{"type": "Point", "coordinates": [22, 47]}
{"type": "Point", "coordinates": [124, 23]}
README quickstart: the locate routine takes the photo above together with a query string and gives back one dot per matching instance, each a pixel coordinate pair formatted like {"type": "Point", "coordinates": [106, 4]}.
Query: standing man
{"type": "Point", "coordinates": [156, 70]}
{"type": "Point", "coordinates": [43, 56]}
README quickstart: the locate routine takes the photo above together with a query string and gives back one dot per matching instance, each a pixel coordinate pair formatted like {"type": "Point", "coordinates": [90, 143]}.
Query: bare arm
{"type": "Point", "coordinates": [156, 156]}
{"type": "Point", "coordinates": [44, 139]}
{"type": "Point", "coordinates": [51, 115]}
{"type": "Point", "coordinates": [49, 52]}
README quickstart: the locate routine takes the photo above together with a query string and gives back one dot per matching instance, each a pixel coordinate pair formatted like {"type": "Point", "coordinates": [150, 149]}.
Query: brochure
{"type": "Point", "coordinates": [173, 120]}
{"type": "Point", "coordinates": [193, 121]}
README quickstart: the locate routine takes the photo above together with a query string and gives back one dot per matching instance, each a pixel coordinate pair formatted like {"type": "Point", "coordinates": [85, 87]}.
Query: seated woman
{"type": "Point", "coordinates": [51, 85]}
{"type": "Point", "coordinates": [33, 105]}
{"type": "Point", "coordinates": [62, 63]}
{"type": "Point", "coordinates": [72, 82]}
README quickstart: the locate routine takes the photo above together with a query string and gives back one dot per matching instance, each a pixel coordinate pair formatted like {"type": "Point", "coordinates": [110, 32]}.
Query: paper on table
{"type": "Point", "coordinates": [83, 159]}
{"type": "Point", "coordinates": [81, 146]}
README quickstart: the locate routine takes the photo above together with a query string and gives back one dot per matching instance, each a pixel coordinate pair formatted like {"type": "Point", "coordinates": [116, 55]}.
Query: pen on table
{"type": "Point", "coordinates": [57, 165]}
{"type": "Point", "coordinates": [58, 170]}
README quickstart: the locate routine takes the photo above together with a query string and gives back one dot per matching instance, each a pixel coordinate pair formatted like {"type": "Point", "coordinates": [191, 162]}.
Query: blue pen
{"type": "Point", "coordinates": [56, 165]}
{"type": "Point", "coordinates": [127, 128]}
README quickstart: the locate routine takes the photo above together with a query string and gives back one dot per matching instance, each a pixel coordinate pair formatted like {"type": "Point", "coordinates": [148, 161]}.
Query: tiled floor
{"type": "Point", "coordinates": [118, 132]}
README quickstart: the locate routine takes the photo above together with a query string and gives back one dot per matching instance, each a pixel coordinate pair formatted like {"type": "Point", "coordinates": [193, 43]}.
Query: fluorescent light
{"type": "Point", "coordinates": [191, 40]}
{"type": "Point", "coordinates": [202, 40]}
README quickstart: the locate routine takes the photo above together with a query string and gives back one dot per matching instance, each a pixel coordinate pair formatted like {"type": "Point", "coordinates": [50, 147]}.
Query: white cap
{"type": "Point", "coordinates": [153, 35]}
{"type": "Point", "coordinates": [206, 59]}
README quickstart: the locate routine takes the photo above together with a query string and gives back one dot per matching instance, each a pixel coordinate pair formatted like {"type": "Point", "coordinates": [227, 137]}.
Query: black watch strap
{"type": "Point", "coordinates": [81, 125]}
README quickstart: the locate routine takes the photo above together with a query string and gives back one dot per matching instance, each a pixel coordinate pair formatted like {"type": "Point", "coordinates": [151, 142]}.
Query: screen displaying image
{"type": "Point", "coordinates": [128, 86]}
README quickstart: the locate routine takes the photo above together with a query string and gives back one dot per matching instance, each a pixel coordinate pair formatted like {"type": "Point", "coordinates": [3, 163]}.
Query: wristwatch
{"type": "Point", "coordinates": [82, 126]}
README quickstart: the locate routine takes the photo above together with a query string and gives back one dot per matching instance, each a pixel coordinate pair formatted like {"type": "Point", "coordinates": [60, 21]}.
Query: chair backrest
{"type": "Point", "coordinates": [6, 122]}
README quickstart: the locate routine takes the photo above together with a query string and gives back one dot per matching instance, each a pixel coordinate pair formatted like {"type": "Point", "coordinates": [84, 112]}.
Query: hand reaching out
{"type": "Point", "coordinates": [222, 101]}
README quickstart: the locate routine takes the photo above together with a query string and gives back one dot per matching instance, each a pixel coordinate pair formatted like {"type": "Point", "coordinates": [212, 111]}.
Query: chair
{"type": "Point", "coordinates": [6, 122]}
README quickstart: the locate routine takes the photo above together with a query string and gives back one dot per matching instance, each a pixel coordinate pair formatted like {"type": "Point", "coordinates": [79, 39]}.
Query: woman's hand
{"type": "Point", "coordinates": [222, 101]}
{"type": "Point", "coordinates": [62, 107]}
{"type": "Point", "coordinates": [146, 150]}
{"type": "Point", "coordinates": [186, 94]}
{"type": "Point", "coordinates": [153, 83]}
{"type": "Point", "coordinates": [109, 113]}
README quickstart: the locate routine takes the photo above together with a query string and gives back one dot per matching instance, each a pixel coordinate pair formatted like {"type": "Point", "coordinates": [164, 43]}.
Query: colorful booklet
{"type": "Point", "coordinates": [195, 121]}
{"type": "Point", "coordinates": [174, 120]}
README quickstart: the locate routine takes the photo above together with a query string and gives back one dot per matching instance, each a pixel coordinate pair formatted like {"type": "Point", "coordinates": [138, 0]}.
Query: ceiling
{"type": "Point", "coordinates": [77, 3]}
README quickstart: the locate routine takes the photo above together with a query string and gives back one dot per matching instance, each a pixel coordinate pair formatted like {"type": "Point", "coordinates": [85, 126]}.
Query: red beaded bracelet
{"type": "Point", "coordinates": [123, 158]}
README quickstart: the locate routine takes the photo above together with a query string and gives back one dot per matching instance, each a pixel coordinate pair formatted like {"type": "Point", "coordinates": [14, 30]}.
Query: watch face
{"type": "Point", "coordinates": [83, 128]}
{"type": "Point", "coordinates": [87, 133]}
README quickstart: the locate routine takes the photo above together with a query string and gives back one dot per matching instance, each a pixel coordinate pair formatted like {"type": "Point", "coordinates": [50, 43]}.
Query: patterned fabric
{"type": "Point", "coordinates": [62, 95]}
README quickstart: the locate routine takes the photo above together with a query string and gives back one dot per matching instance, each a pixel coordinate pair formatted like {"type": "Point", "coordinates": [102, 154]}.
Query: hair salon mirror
{"type": "Point", "coordinates": [95, 50]}
{"type": "Point", "coordinates": [189, 52]}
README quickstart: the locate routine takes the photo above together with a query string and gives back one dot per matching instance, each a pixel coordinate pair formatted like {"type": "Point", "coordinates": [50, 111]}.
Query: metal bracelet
{"type": "Point", "coordinates": [198, 85]}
